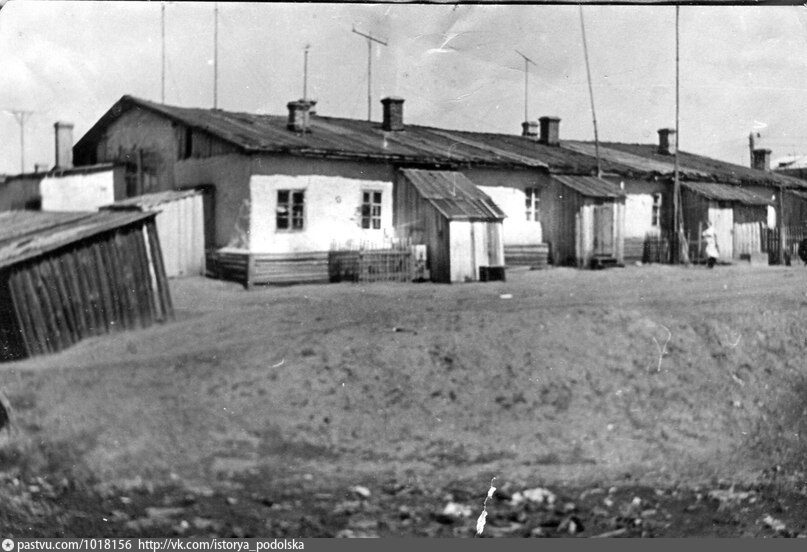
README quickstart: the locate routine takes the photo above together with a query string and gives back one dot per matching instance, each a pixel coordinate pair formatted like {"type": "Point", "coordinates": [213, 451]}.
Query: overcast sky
{"type": "Point", "coordinates": [742, 69]}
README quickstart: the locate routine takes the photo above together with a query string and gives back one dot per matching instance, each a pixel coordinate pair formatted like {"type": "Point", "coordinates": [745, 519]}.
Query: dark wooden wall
{"type": "Point", "coordinates": [106, 283]}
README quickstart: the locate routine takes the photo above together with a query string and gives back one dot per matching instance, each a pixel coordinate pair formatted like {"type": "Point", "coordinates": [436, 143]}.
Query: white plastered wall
{"type": "Point", "coordinates": [78, 192]}
{"type": "Point", "coordinates": [332, 213]}
{"type": "Point", "coordinates": [516, 228]}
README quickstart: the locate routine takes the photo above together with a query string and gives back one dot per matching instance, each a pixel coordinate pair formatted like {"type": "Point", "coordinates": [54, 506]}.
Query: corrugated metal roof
{"type": "Point", "coordinates": [150, 201]}
{"type": "Point", "coordinates": [590, 186]}
{"type": "Point", "coordinates": [28, 234]}
{"type": "Point", "coordinates": [724, 192]}
{"type": "Point", "coordinates": [454, 195]}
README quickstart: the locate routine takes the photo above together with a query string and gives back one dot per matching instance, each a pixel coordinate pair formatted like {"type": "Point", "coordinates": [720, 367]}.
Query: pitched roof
{"type": "Point", "coordinates": [590, 186]}
{"type": "Point", "coordinates": [724, 192]}
{"type": "Point", "coordinates": [28, 234]}
{"type": "Point", "coordinates": [698, 167]}
{"type": "Point", "coordinates": [329, 136]}
{"type": "Point", "coordinates": [454, 195]}
{"type": "Point", "coordinates": [335, 137]}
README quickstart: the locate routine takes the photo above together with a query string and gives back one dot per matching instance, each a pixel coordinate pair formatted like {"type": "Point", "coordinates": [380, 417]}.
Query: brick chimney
{"type": "Point", "coordinates": [393, 114]}
{"type": "Point", "coordinates": [761, 159]}
{"type": "Point", "coordinates": [300, 112]}
{"type": "Point", "coordinates": [666, 141]}
{"type": "Point", "coordinates": [64, 145]}
{"type": "Point", "coordinates": [530, 129]}
{"type": "Point", "coordinates": [550, 131]}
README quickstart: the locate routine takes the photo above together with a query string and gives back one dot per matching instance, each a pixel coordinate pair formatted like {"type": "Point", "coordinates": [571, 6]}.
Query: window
{"type": "Point", "coordinates": [532, 203]}
{"type": "Point", "coordinates": [655, 217]}
{"type": "Point", "coordinates": [289, 214]}
{"type": "Point", "coordinates": [371, 210]}
{"type": "Point", "coordinates": [187, 150]}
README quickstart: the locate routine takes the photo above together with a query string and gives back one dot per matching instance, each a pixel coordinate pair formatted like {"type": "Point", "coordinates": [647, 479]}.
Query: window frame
{"type": "Point", "coordinates": [655, 210]}
{"type": "Point", "coordinates": [532, 204]}
{"type": "Point", "coordinates": [371, 217]}
{"type": "Point", "coordinates": [290, 215]}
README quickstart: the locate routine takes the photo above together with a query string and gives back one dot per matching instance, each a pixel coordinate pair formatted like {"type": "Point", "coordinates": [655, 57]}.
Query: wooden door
{"type": "Point", "coordinates": [722, 217]}
{"type": "Point", "coordinates": [604, 229]}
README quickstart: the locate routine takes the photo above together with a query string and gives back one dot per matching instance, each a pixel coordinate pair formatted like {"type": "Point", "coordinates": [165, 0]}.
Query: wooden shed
{"type": "Point", "coordinates": [736, 213]}
{"type": "Point", "coordinates": [459, 224]}
{"type": "Point", "coordinates": [67, 276]}
{"type": "Point", "coordinates": [180, 227]}
{"type": "Point", "coordinates": [584, 221]}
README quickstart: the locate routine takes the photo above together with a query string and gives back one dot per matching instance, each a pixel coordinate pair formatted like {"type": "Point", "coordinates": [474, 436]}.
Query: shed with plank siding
{"type": "Point", "coordinates": [584, 220]}
{"type": "Point", "coordinates": [68, 276]}
{"type": "Point", "coordinates": [460, 225]}
{"type": "Point", "coordinates": [180, 227]}
{"type": "Point", "coordinates": [737, 214]}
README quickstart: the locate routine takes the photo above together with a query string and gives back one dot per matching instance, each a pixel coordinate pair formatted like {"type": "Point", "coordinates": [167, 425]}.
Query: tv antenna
{"type": "Point", "coordinates": [370, 39]}
{"type": "Point", "coordinates": [21, 116]}
{"type": "Point", "coordinates": [305, 71]}
{"type": "Point", "coordinates": [215, 55]}
{"type": "Point", "coordinates": [591, 94]}
{"type": "Point", "coordinates": [162, 55]}
{"type": "Point", "coordinates": [527, 62]}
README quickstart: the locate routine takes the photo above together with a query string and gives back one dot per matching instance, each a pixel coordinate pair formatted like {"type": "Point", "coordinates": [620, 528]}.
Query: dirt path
{"type": "Point", "coordinates": [644, 378]}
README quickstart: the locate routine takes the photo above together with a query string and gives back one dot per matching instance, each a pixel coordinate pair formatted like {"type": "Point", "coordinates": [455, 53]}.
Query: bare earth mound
{"type": "Point", "coordinates": [672, 377]}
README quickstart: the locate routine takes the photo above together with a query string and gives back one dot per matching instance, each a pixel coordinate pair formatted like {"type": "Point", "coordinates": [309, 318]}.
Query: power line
{"type": "Point", "coordinates": [370, 39]}
{"type": "Point", "coordinates": [21, 116]}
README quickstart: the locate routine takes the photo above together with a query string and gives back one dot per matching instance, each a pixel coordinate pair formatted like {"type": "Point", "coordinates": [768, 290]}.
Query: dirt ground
{"type": "Point", "coordinates": [645, 401]}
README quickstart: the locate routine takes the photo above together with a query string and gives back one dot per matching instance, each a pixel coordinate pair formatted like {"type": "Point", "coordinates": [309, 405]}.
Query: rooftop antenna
{"type": "Point", "coordinates": [305, 72]}
{"type": "Point", "coordinates": [21, 117]}
{"type": "Point", "coordinates": [162, 35]}
{"type": "Point", "coordinates": [527, 62]}
{"type": "Point", "coordinates": [215, 55]}
{"type": "Point", "coordinates": [370, 39]}
{"type": "Point", "coordinates": [591, 95]}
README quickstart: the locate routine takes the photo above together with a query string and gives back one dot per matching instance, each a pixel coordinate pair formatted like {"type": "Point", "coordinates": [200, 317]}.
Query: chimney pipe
{"type": "Point", "coordinates": [64, 145]}
{"type": "Point", "coordinates": [550, 131]}
{"type": "Point", "coordinates": [666, 141]}
{"type": "Point", "coordinates": [761, 159]}
{"type": "Point", "coordinates": [530, 129]}
{"type": "Point", "coordinates": [300, 112]}
{"type": "Point", "coordinates": [393, 114]}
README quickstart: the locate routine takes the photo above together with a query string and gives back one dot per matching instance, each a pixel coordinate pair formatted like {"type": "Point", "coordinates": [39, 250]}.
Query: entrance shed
{"type": "Point", "coordinates": [68, 276]}
{"type": "Point", "coordinates": [737, 214]}
{"type": "Point", "coordinates": [460, 225]}
{"type": "Point", "coordinates": [584, 221]}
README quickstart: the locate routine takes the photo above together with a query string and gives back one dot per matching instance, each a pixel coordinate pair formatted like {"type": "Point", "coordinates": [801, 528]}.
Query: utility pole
{"type": "Point", "coordinates": [305, 72]}
{"type": "Point", "coordinates": [21, 116]}
{"type": "Point", "coordinates": [215, 55]}
{"type": "Point", "coordinates": [162, 36]}
{"type": "Point", "coordinates": [370, 39]}
{"type": "Point", "coordinates": [678, 225]}
{"type": "Point", "coordinates": [527, 62]}
{"type": "Point", "coordinates": [591, 95]}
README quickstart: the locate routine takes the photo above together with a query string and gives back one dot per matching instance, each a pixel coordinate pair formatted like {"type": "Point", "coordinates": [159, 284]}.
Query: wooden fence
{"type": "Point", "coordinates": [772, 242]}
{"type": "Point", "coordinates": [374, 265]}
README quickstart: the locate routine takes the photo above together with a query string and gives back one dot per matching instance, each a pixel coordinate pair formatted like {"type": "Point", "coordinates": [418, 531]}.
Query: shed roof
{"type": "Point", "coordinates": [590, 186]}
{"type": "Point", "coordinates": [28, 234]}
{"type": "Point", "coordinates": [149, 201]}
{"type": "Point", "coordinates": [454, 195]}
{"type": "Point", "coordinates": [723, 192]}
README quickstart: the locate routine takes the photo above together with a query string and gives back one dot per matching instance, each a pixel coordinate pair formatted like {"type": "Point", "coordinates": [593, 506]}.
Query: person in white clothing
{"type": "Point", "coordinates": [710, 240]}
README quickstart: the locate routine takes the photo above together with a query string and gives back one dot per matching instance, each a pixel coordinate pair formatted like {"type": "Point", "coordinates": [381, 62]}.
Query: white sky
{"type": "Point", "coordinates": [741, 68]}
